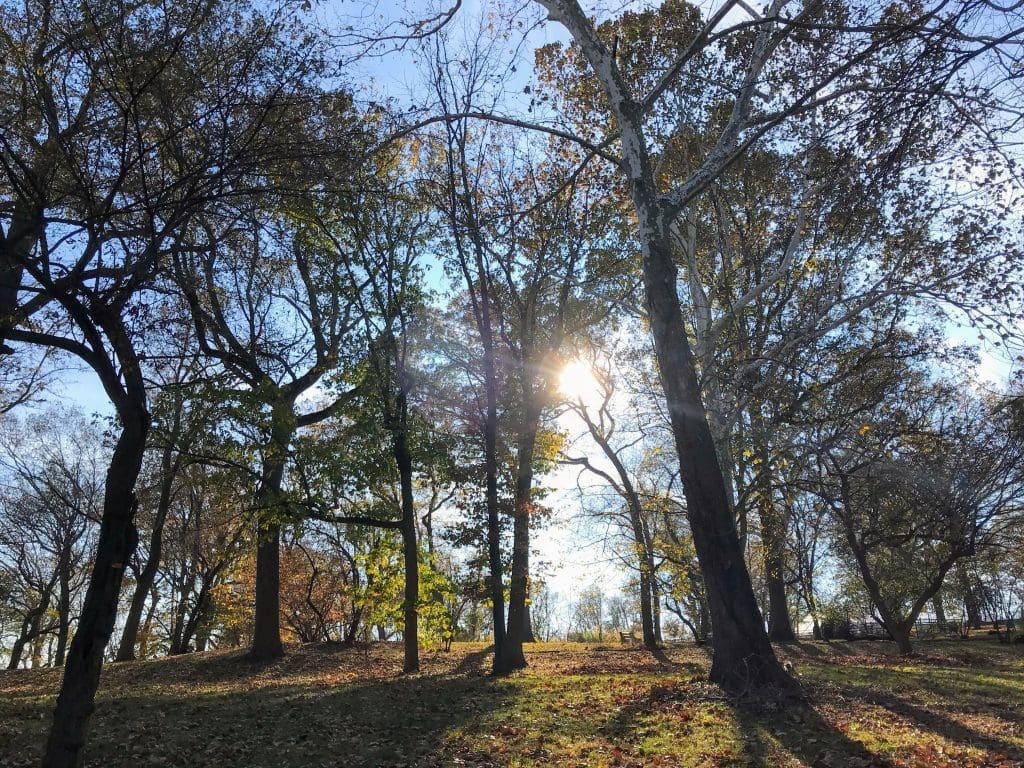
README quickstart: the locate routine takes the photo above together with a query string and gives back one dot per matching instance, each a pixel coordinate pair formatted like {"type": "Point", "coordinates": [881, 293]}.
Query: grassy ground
{"type": "Point", "coordinates": [955, 704]}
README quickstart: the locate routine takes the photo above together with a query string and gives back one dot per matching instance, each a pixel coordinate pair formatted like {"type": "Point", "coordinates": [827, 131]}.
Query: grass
{"type": "Point", "coordinates": [955, 704]}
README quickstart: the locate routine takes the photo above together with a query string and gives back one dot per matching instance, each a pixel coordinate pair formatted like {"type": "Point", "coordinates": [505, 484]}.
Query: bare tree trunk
{"type": "Point", "coordinates": [63, 608]}
{"type": "Point", "coordinates": [117, 540]}
{"type": "Point", "coordinates": [130, 633]}
{"type": "Point", "coordinates": [940, 610]}
{"type": "Point", "coordinates": [656, 605]}
{"type": "Point", "coordinates": [148, 623]}
{"type": "Point", "coordinates": [518, 617]}
{"type": "Point", "coordinates": [266, 635]}
{"type": "Point", "coordinates": [900, 632]}
{"type": "Point", "coordinates": [780, 626]}
{"type": "Point", "coordinates": [743, 657]}
{"type": "Point", "coordinates": [500, 665]}
{"type": "Point", "coordinates": [410, 549]}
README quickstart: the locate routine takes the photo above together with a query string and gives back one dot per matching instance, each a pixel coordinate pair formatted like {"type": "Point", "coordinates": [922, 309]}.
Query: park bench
{"type": "Point", "coordinates": [627, 638]}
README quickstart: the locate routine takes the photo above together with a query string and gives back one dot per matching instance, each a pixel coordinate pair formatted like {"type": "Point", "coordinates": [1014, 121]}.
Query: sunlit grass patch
{"type": "Point", "coordinates": [576, 705]}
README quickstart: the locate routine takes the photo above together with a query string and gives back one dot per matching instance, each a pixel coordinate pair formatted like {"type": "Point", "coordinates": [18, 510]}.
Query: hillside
{"type": "Point", "coordinates": [956, 704]}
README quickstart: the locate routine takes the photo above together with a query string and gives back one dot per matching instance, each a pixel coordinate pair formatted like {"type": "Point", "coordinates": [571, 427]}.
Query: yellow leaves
{"type": "Point", "coordinates": [865, 428]}
{"type": "Point", "coordinates": [810, 267]}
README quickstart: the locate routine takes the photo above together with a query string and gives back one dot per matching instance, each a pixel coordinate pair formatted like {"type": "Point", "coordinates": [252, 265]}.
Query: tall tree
{"type": "Point", "coordinates": [120, 123]}
{"type": "Point", "coordinates": [655, 110]}
{"type": "Point", "coordinates": [268, 302]}
{"type": "Point", "coordinates": [49, 512]}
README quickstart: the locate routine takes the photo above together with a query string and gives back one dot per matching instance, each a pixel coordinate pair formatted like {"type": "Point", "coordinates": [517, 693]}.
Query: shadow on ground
{"type": "Point", "coordinates": [319, 708]}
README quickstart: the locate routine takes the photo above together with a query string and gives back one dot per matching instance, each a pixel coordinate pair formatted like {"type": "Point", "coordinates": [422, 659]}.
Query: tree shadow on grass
{"type": "Point", "coordinates": [763, 724]}
{"type": "Point", "coordinates": [937, 722]}
{"type": "Point", "coordinates": [401, 721]}
{"type": "Point", "coordinates": [800, 730]}
{"type": "Point", "coordinates": [475, 664]}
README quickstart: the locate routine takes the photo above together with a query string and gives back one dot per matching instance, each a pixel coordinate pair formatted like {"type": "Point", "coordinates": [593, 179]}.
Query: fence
{"type": "Point", "coordinates": [846, 629]}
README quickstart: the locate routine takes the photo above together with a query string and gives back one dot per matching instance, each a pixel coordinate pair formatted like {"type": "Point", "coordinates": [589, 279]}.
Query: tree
{"type": "Point", "coordinates": [601, 417]}
{"type": "Point", "coordinates": [918, 488]}
{"type": "Point", "coordinates": [120, 123]}
{"type": "Point", "coordinates": [184, 414]}
{"type": "Point", "coordinates": [50, 510]}
{"type": "Point", "coordinates": [269, 303]}
{"type": "Point", "coordinates": [735, 118]}
{"type": "Point", "coordinates": [397, 230]}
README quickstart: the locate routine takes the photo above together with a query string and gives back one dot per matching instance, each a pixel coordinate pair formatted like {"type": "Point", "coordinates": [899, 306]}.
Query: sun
{"type": "Point", "coordinates": [577, 382]}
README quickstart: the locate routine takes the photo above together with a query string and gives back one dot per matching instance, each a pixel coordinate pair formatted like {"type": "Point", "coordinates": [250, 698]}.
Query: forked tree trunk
{"type": "Point", "coordinates": [117, 541]}
{"type": "Point", "coordinates": [31, 625]}
{"type": "Point", "coordinates": [743, 657]}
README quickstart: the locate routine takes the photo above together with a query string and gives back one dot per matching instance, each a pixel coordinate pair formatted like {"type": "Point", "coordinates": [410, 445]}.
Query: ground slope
{"type": "Point", "coordinates": [955, 704]}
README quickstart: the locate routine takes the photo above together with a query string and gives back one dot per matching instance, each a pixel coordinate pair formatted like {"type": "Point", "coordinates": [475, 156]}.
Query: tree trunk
{"type": "Point", "coordinates": [500, 664]}
{"type": "Point", "coordinates": [130, 634]}
{"type": "Point", "coordinates": [30, 626]}
{"type": "Point", "coordinates": [900, 632]}
{"type": "Point", "coordinates": [646, 610]}
{"type": "Point", "coordinates": [147, 624]}
{"type": "Point", "coordinates": [410, 548]}
{"type": "Point", "coordinates": [940, 610]}
{"type": "Point", "coordinates": [17, 649]}
{"type": "Point", "coordinates": [743, 657]}
{"type": "Point", "coordinates": [518, 617]}
{"type": "Point", "coordinates": [656, 606]}
{"type": "Point", "coordinates": [16, 249]}
{"type": "Point", "coordinates": [773, 527]}
{"type": "Point", "coordinates": [63, 611]}
{"type": "Point", "coordinates": [117, 541]}
{"type": "Point", "coordinates": [972, 606]}
{"type": "Point", "coordinates": [178, 638]}
{"type": "Point", "coordinates": [266, 635]}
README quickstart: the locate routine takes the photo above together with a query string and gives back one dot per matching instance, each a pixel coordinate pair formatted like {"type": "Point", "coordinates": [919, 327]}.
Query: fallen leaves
{"type": "Point", "coordinates": [575, 705]}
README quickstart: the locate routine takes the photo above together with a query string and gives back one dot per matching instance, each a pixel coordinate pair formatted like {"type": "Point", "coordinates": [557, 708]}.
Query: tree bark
{"type": "Point", "coordinates": [410, 547]}
{"type": "Point", "coordinates": [266, 635]}
{"type": "Point", "coordinates": [117, 541]}
{"type": "Point", "coordinates": [130, 633]}
{"type": "Point", "coordinates": [900, 632]}
{"type": "Point", "coordinates": [940, 610]}
{"type": "Point", "coordinates": [780, 626]}
{"type": "Point", "coordinates": [743, 657]}
{"type": "Point", "coordinates": [518, 617]}
{"type": "Point", "coordinates": [63, 608]}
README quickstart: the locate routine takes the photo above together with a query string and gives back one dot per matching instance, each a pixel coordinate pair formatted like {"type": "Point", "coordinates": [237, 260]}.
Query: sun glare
{"type": "Point", "coordinates": [578, 383]}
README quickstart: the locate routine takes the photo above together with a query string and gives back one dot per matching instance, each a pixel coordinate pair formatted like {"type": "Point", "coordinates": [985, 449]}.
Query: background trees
{"type": "Point", "coordinates": [348, 319]}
